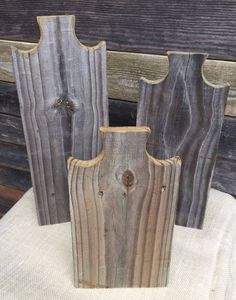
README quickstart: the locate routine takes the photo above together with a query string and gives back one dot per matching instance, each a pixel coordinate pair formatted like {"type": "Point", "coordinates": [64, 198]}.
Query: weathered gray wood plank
{"type": "Point", "coordinates": [122, 212]}
{"type": "Point", "coordinates": [63, 101]}
{"type": "Point", "coordinates": [125, 69]}
{"type": "Point", "coordinates": [9, 103]}
{"type": "Point", "coordinates": [13, 156]}
{"type": "Point", "coordinates": [139, 26]}
{"type": "Point", "coordinates": [122, 113]}
{"type": "Point", "coordinates": [225, 176]}
{"type": "Point", "coordinates": [8, 197]}
{"type": "Point", "coordinates": [185, 114]}
{"type": "Point", "coordinates": [227, 145]}
{"type": "Point", "coordinates": [11, 130]}
{"type": "Point", "coordinates": [16, 179]}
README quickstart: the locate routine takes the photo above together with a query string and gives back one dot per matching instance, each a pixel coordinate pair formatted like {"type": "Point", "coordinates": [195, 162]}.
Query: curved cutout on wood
{"type": "Point", "coordinates": [185, 114]}
{"type": "Point", "coordinates": [62, 90]}
{"type": "Point", "coordinates": [122, 208]}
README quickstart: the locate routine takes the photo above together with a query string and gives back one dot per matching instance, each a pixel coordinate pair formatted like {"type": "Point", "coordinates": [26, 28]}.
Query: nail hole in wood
{"type": "Point", "coordinates": [163, 188]}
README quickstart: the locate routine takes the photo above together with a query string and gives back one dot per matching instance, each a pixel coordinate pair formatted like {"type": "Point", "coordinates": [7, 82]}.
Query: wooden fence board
{"type": "Point", "coordinates": [13, 156]}
{"type": "Point", "coordinates": [15, 179]}
{"type": "Point", "coordinates": [125, 69]}
{"type": "Point", "coordinates": [122, 204]}
{"type": "Point", "coordinates": [224, 176]}
{"type": "Point", "coordinates": [122, 113]}
{"type": "Point", "coordinates": [185, 114]}
{"type": "Point", "coordinates": [140, 26]}
{"type": "Point", "coordinates": [9, 103]}
{"type": "Point", "coordinates": [11, 130]}
{"type": "Point", "coordinates": [8, 197]}
{"type": "Point", "coordinates": [10, 193]}
{"type": "Point", "coordinates": [227, 145]}
{"type": "Point", "coordinates": [5, 205]}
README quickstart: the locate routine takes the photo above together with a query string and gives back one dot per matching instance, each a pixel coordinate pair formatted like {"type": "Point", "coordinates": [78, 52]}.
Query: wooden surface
{"type": "Point", "coordinates": [203, 26]}
{"type": "Point", "coordinates": [123, 113]}
{"type": "Point", "coordinates": [140, 26]}
{"type": "Point", "coordinates": [125, 69]}
{"type": "Point", "coordinates": [9, 103]}
{"type": "Point", "coordinates": [63, 100]}
{"type": "Point", "coordinates": [225, 170]}
{"type": "Point", "coordinates": [227, 146]}
{"type": "Point", "coordinates": [11, 130]}
{"type": "Point", "coordinates": [8, 197]}
{"type": "Point", "coordinates": [122, 212]}
{"type": "Point", "coordinates": [224, 176]}
{"type": "Point", "coordinates": [16, 179]}
{"type": "Point", "coordinates": [185, 114]}
{"type": "Point", "coordinates": [13, 156]}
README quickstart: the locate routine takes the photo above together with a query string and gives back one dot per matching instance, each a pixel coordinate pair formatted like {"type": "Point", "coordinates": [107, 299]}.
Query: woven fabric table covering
{"type": "Point", "coordinates": [36, 262]}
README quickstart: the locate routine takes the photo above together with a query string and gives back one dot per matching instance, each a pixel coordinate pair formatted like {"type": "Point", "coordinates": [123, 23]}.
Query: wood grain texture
{"type": "Point", "coordinates": [63, 101]}
{"type": "Point", "coordinates": [125, 69]}
{"type": "Point", "coordinates": [227, 145]}
{"type": "Point", "coordinates": [8, 197]}
{"type": "Point", "coordinates": [5, 206]}
{"type": "Point", "coordinates": [224, 176]}
{"type": "Point", "coordinates": [15, 179]}
{"type": "Point", "coordinates": [14, 156]}
{"type": "Point", "coordinates": [122, 212]}
{"type": "Point", "coordinates": [10, 193]}
{"type": "Point", "coordinates": [11, 130]}
{"type": "Point", "coordinates": [140, 26]}
{"type": "Point", "coordinates": [185, 114]}
{"type": "Point", "coordinates": [9, 103]}
{"type": "Point", "coordinates": [122, 113]}
{"type": "Point", "coordinates": [225, 169]}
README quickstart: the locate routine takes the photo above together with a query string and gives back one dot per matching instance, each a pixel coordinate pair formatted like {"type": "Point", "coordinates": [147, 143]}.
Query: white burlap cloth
{"type": "Point", "coordinates": [36, 262]}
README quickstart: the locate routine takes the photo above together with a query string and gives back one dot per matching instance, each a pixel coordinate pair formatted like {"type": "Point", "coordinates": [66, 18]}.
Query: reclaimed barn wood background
{"type": "Point", "coordinates": [151, 27]}
{"type": "Point", "coordinates": [146, 26]}
{"type": "Point", "coordinates": [122, 204]}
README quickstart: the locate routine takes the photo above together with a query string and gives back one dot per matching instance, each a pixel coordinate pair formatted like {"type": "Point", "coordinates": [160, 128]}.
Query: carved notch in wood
{"type": "Point", "coordinates": [122, 207]}
{"type": "Point", "coordinates": [185, 114]}
{"type": "Point", "coordinates": [62, 91]}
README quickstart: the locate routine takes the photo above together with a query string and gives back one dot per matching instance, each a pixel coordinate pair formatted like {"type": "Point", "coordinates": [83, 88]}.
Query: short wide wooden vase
{"type": "Point", "coordinates": [122, 206]}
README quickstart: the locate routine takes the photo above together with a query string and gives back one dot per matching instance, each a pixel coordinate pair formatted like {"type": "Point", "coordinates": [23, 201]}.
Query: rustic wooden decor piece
{"type": "Point", "coordinates": [122, 212]}
{"type": "Point", "coordinates": [63, 101]}
{"type": "Point", "coordinates": [185, 114]}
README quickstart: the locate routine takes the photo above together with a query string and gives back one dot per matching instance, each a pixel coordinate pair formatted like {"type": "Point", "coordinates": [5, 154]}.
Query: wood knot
{"type": "Point", "coordinates": [62, 102]}
{"type": "Point", "coordinates": [128, 178]}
